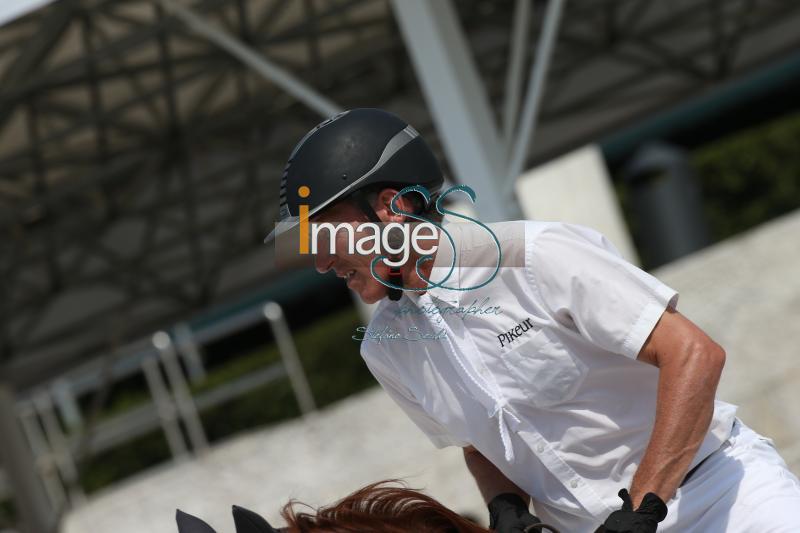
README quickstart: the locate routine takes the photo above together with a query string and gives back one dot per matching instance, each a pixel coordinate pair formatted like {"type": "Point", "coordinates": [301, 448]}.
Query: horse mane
{"type": "Point", "coordinates": [386, 507]}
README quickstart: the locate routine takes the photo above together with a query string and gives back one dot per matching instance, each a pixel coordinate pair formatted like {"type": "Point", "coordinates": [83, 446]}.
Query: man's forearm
{"type": "Point", "coordinates": [489, 479]}
{"type": "Point", "coordinates": [685, 405]}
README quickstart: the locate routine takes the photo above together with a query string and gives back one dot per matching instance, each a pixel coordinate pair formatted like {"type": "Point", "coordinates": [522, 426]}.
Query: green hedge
{"type": "Point", "coordinates": [750, 177]}
{"type": "Point", "coordinates": [8, 514]}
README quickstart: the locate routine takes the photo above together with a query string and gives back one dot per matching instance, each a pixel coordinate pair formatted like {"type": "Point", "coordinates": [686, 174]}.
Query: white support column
{"type": "Point", "coordinates": [294, 368]}
{"type": "Point", "coordinates": [167, 413]}
{"type": "Point", "coordinates": [181, 392]}
{"type": "Point", "coordinates": [457, 100]}
{"type": "Point", "coordinates": [533, 97]}
{"type": "Point", "coordinates": [35, 510]}
{"type": "Point", "coordinates": [59, 447]}
{"type": "Point", "coordinates": [13, 10]}
{"type": "Point", "coordinates": [67, 405]}
{"type": "Point", "coordinates": [190, 351]}
{"type": "Point", "coordinates": [45, 459]}
{"type": "Point", "coordinates": [516, 58]}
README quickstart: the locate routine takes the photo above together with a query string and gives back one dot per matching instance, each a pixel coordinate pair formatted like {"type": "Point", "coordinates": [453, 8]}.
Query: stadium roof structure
{"type": "Point", "coordinates": [141, 142]}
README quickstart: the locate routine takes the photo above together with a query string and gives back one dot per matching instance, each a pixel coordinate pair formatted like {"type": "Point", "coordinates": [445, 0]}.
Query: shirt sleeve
{"type": "Point", "coordinates": [435, 432]}
{"type": "Point", "coordinates": [582, 277]}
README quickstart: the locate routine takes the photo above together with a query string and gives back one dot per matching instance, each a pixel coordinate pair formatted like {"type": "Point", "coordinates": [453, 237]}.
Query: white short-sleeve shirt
{"type": "Point", "coordinates": [537, 368]}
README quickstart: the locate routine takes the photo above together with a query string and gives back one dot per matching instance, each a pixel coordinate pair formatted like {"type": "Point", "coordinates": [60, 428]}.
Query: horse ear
{"type": "Point", "coordinates": [191, 524]}
{"type": "Point", "coordinates": [249, 522]}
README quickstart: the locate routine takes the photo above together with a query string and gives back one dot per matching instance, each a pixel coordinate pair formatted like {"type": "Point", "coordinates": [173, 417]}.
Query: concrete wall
{"type": "Point", "coordinates": [577, 188]}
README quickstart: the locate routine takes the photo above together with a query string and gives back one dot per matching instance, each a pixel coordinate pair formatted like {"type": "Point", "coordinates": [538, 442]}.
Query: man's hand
{"type": "Point", "coordinates": [508, 513]}
{"type": "Point", "coordinates": [645, 519]}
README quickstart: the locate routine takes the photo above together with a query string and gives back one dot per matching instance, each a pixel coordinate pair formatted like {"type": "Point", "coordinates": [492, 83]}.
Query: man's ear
{"type": "Point", "coordinates": [383, 205]}
{"type": "Point", "coordinates": [191, 524]}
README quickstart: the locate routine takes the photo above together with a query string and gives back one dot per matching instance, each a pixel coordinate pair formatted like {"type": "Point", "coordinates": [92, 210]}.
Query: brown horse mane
{"type": "Point", "coordinates": [386, 507]}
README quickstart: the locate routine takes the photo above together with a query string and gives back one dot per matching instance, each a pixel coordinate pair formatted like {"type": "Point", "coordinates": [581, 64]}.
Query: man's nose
{"type": "Point", "coordinates": [323, 261]}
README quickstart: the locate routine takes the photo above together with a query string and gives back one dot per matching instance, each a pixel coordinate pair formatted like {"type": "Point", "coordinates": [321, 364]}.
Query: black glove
{"type": "Point", "coordinates": [508, 513]}
{"type": "Point", "coordinates": [645, 519]}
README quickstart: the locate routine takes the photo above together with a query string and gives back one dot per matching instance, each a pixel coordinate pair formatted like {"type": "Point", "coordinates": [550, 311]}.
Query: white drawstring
{"type": "Point", "coordinates": [500, 411]}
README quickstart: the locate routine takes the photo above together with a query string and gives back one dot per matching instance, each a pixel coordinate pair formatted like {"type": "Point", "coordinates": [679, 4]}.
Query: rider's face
{"type": "Point", "coordinates": [355, 268]}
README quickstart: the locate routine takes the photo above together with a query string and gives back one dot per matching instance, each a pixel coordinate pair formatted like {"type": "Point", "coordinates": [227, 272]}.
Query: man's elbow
{"type": "Point", "coordinates": [710, 356]}
{"type": "Point", "coordinates": [720, 356]}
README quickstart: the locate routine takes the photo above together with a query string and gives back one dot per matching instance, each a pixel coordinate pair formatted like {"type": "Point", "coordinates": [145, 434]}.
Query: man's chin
{"type": "Point", "coordinates": [371, 295]}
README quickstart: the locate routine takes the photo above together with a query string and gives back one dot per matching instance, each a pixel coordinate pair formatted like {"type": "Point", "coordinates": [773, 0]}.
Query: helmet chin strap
{"type": "Point", "coordinates": [395, 276]}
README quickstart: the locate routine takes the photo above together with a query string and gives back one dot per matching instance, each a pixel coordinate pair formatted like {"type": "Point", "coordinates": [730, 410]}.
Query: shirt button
{"type": "Point", "coordinates": [540, 448]}
{"type": "Point", "coordinates": [574, 483]}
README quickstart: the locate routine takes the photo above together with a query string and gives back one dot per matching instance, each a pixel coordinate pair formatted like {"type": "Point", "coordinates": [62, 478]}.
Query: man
{"type": "Point", "coordinates": [567, 375]}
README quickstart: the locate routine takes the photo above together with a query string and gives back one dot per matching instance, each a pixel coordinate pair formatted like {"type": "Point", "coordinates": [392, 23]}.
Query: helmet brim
{"type": "Point", "coordinates": [282, 227]}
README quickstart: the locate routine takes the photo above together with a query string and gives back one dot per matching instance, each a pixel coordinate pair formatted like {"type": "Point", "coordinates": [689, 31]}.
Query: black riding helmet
{"type": "Point", "coordinates": [347, 153]}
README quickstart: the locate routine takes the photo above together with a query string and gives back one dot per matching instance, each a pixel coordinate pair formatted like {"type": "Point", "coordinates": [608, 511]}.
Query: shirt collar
{"type": "Point", "coordinates": [441, 266]}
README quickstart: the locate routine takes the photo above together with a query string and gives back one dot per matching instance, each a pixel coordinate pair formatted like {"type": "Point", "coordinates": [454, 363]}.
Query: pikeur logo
{"type": "Point", "coordinates": [513, 334]}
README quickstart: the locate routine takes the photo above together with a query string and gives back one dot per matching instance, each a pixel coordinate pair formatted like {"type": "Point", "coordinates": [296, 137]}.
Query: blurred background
{"type": "Point", "coordinates": [152, 355]}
